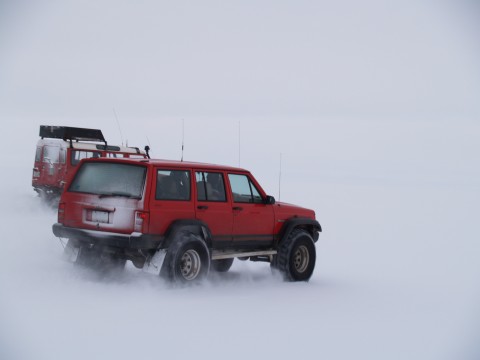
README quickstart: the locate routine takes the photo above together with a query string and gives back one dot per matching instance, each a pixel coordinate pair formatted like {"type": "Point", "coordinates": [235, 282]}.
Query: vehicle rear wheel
{"type": "Point", "coordinates": [296, 256]}
{"type": "Point", "coordinates": [187, 259]}
{"type": "Point", "coordinates": [222, 265]}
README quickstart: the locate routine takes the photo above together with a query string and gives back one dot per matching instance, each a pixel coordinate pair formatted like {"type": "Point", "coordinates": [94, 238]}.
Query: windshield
{"type": "Point", "coordinates": [110, 179]}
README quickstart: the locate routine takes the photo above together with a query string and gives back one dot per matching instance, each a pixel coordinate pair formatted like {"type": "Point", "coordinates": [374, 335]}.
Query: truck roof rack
{"type": "Point", "coordinates": [71, 133]}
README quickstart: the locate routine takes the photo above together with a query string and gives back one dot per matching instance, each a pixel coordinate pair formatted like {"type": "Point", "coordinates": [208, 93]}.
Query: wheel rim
{"type": "Point", "coordinates": [190, 264]}
{"type": "Point", "coordinates": [301, 258]}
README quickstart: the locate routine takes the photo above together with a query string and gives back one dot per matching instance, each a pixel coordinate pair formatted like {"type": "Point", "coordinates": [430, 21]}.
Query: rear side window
{"type": "Point", "coordinates": [115, 155]}
{"type": "Point", "coordinates": [78, 155]}
{"type": "Point", "coordinates": [173, 185]}
{"type": "Point", "coordinates": [210, 186]}
{"type": "Point", "coordinates": [243, 189]}
{"type": "Point", "coordinates": [110, 179]}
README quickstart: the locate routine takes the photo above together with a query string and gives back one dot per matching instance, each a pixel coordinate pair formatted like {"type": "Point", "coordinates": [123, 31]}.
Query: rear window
{"type": "Point", "coordinates": [38, 154]}
{"type": "Point", "coordinates": [110, 179]}
{"type": "Point", "coordinates": [51, 154]}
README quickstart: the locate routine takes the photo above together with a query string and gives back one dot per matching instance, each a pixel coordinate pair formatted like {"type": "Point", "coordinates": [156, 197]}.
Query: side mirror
{"type": "Point", "coordinates": [269, 200]}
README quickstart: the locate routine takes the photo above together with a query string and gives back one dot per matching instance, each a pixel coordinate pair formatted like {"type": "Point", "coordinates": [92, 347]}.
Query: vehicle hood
{"type": "Point", "coordinates": [286, 211]}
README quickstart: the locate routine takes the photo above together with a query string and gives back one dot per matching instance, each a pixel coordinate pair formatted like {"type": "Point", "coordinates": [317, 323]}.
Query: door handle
{"type": "Point", "coordinates": [202, 207]}
{"type": "Point", "coordinates": [237, 208]}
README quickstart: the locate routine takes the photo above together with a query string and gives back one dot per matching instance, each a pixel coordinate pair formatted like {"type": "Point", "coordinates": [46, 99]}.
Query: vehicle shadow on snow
{"type": "Point", "coordinates": [133, 276]}
{"type": "Point", "coordinates": [240, 276]}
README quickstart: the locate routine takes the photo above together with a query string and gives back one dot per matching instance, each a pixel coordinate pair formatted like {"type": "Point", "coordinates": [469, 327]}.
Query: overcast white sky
{"type": "Point", "coordinates": [153, 59]}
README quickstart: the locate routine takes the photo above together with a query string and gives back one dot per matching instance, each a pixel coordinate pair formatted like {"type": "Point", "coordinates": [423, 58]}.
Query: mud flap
{"type": "Point", "coordinates": [154, 264]}
{"type": "Point", "coordinates": [70, 253]}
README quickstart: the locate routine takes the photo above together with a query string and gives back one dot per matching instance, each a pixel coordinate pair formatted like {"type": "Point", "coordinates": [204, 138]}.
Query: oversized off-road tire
{"type": "Point", "coordinates": [187, 259]}
{"type": "Point", "coordinates": [296, 256]}
{"type": "Point", "coordinates": [222, 265]}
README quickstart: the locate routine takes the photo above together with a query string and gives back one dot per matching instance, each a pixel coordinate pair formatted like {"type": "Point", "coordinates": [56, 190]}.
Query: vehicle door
{"type": "Point", "coordinates": [52, 166]}
{"type": "Point", "coordinates": [213, 206]}
{"type": "Point", "coordinates": [171, 199]}
{"type": "Point", "coordinates": [253, 220]}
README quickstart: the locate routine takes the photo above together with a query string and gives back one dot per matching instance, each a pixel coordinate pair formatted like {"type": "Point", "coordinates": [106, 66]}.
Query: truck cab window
{"type": "Point", "coordinates": [243, 190]}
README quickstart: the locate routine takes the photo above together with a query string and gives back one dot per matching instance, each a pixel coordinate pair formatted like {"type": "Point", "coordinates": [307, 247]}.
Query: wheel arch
{"type": "Point", "coordinates": [193, 226]}
{"type": "Point", "coordinates": [311, 226]}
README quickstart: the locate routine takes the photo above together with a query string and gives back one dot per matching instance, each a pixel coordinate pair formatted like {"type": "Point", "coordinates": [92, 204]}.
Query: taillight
{"type": "Point", "coordinates": [61, 212]}
{"type": "Point", "coordinates": [141, 219]}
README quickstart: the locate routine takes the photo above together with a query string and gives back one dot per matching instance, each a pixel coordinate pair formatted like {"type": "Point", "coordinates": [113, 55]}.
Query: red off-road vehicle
{"type": "Point", "coordinates": [180, 219]}
{"type": "Point", "coordinates": [61, 148]}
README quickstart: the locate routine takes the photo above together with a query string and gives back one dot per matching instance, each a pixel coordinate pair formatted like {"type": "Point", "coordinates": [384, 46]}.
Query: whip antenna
{"type": "Point", "coordinates": [183, 136]}
{"type": "Point", "coordinates": [280, 178]}
{"type": "Point", "coordinates": [239, 142]}
{"type": "Point", "coordinates": [118, 124]}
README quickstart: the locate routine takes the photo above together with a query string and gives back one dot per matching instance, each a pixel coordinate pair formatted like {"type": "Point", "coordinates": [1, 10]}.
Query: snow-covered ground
{"type": "Point", "coordinates": [397, 274]}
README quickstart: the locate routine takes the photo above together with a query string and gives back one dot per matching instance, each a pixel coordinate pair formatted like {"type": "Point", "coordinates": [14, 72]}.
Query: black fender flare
{"type": "Point", "coordinates": [312, 226]}
{"type": "Point", "coordinates": [193, 226]}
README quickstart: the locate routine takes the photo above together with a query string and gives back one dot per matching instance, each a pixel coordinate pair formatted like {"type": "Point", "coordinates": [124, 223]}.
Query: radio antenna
{"type": "Point", "coordinates": [118, 124]}
{"type": "Point", "coordinates": [280, 178]}
{"type": "Point", "coordinates": [183, 137]}
{"type": "Point", "coordinates": [239, 143]}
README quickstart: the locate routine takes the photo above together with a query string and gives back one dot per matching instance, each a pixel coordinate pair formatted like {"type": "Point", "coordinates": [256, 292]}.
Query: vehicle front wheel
{"type": "Point", "coordinates": [296, 256]}
{"type": "Point", "coordinates": [187, 259]}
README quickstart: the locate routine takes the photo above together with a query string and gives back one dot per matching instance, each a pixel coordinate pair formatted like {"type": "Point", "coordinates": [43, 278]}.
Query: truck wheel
{"type": "Point", "coordinates": [187, 259]}
{"type": "Point", "coordinates": [222, 265]}
{"type": "Point", "coordinates": [296, 256]}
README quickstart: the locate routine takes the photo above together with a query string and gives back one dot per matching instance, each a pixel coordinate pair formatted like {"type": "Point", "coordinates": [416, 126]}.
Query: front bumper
{"type": "Point", "coordinates": [103, 238]}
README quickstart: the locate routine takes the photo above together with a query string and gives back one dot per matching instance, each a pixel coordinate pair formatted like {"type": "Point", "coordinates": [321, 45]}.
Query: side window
{"type": "Point", "coordinates": [173, 185]}
{"type": "Point", "coordinates": [210, 186]}
{"type": "Point", "coordinates": [115, 155]}
{"type": "Point", "coordinates": [243, 189]}
{"type": "Point", "coordinates": [78, 155]}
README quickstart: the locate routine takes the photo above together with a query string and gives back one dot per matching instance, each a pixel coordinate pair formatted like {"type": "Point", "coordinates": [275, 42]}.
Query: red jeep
{"type": "Point", "coordinates": [61, 148]}
{"type": "Point", "coordinates": [180, 219]}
